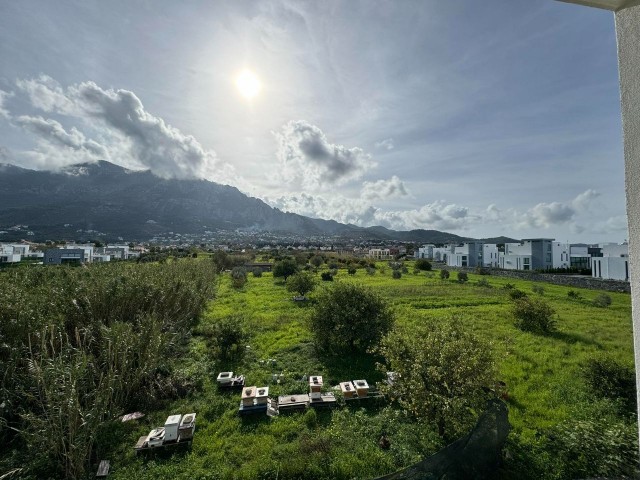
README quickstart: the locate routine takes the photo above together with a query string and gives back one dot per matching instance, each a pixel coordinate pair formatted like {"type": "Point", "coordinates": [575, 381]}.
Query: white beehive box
{"type": "Point", "coordinates": [362, 387]}
{"type": "Point", "coordinates": [315, 396]}
{"type": "Point", "coordinates": [171, 427]}
{"type": "Point", "coordinates": [155, 437]}
{"type": "Point", "coordinates": [262, 395]}
{"type": "Point", "coordinates": [187, 426]}
{"type": "Point", "coordinates": [248, 396]}
{"type": "Point", "coordinates": [224, 378]}
{"type": "Point", "coordinates": [315, 383]}
{"type": "Point", "coordinates": [347, 389]}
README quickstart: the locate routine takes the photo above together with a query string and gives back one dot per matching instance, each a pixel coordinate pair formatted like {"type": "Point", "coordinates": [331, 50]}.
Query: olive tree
{"type": "Point", "coordinates": [285, 268]}
{"type": "Point", "coordinates": [301, 283]}
{"type": "Point", "coordinates": [350, 316]}
{"type": "Point", "coordinates": [441, 371]}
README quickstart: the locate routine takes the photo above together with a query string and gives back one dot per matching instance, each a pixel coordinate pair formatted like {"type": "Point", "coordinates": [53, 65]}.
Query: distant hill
{"type": "Point", "coordinates": [137, 205]}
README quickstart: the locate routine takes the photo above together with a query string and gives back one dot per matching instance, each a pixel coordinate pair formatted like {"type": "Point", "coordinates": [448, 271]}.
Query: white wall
{"type": "Point", "coordinates": [611, 268]}
{"type": "Point", "coordinates": [628, 32]}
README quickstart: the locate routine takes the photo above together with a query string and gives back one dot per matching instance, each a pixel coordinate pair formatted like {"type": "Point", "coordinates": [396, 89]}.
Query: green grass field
{"type": "Point", "coordinates": [542, 374]}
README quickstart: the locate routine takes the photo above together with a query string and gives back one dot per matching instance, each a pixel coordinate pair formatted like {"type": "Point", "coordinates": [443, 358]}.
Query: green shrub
{"type": "Point", "coordinates": [516, 294]}
{"type": "Point", "coordinates": [509, 286]}
{"type": "Point", "coordinates": [463, 277]}
{"type": "Point", "coordinates": [603, 300]}
{"type": "Point", "coordinates": [349, 316]}
{"type": "Point", "coordinates": [606, 378]}
{"type": "Point", "coordinates": [483, 282]}
{"type": "Point", "coordinates": [351, 270]}
{"type": "Point", "coordinates": [257, 272]}
{"type": "Point", "coordinates": [396, 274]}
{"type": "Point", "coordinates": [301, 283]}
{"type": "Point", "coordinates": [371, 271]}
{"type": "Point", "coordinates": [444, 274]}
{"type": "Point", "coordinates": [574, 295]}
{"type": "Point", "coordinates": [238, 277]}
{"type": "Point", "coordinates": [423, 264]}
{"type": "Point", "coordinates": [326, 277]}
{"type": "Point", "coordinates": [228, 337]}
{"type": "Point", "coordinates": [533, 315]}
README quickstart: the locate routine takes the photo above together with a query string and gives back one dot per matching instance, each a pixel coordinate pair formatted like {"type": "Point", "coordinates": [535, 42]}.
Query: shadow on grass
{"type": "Point", "coordinates": [351, 366]}
{"type": "Point", "coordinates": [571, 338]}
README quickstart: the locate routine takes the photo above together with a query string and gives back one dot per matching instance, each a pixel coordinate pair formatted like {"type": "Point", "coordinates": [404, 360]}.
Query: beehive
{"type": "Point", "coordinates": [362, 387]}
{"type": "Point", "coordinates": [225, 378]}
{"type": "Point", "coordinates": [262, 395]}
{"type": "Point", "coordinates": [315, 383]}
{"type": "Point", "coordinates": [347, 389]}
{"type": "Point", "coordinates": [248, 396]}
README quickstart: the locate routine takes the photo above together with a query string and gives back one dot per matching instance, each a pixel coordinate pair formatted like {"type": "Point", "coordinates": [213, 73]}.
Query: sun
{"type": "Point", "coordinates": [248, 84]}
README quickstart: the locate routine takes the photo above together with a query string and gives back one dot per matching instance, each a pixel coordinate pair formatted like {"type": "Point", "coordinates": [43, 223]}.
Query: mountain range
{"type": "Point", "coordinates": [103, 198]}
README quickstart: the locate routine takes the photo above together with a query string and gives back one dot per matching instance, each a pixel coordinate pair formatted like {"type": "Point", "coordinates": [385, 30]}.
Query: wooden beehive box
{"type": "Point", "coordinates": [347, 389]}
{"type": "Point", "coordinates": [315, 383]}
{"type": "Point", "coordinates": [362, 387]}
{"type": "Point", "coordinates": [248, 396]}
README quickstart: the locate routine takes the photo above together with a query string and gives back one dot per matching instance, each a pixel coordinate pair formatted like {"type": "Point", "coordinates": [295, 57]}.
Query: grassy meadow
{"type": "Point", "coordinates": [542, 375]}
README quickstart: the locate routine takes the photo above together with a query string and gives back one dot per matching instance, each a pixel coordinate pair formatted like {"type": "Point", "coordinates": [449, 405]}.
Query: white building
{"type": "Point", "coordinates": [489, 255]}
{"type": "Point", "coordinates": [466, 255]}
{"type": "Point", "coordinates": [87, 249]}
{"type": "Point", "coordinates": [380, 253]}
{"type": "Point", "coordinates": [425, 251]}
{"type": "Point", "coordinates": [8, 254]}
{"type": "Point", "coordinates": [614, 263]}
{"type": "Point", "coordinates": [530, 254]}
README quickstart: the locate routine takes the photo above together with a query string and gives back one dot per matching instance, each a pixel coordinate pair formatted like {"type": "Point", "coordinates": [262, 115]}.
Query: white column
{"type": "Point", "coordinates": [628, 32]}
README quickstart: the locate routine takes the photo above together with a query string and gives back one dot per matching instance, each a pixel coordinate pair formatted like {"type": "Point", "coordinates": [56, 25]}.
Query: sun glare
{"type": "Point", "coordinates": [248, 84]}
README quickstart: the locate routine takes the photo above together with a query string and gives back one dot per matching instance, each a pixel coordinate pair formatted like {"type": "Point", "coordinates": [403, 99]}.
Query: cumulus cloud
{"type": "Point", "coordinates": [545, 215]}
{"type": "Point", "coordinates": [136, 137]}
{"type": "Point", "coordinates": [438, 215]}
{"type": "Point", "coordinates": [382, 189]}
{"type": "Point", "coordinates": [307, 158]}
{"type": "Point", "coordinates": [3, 111]}
{"type": "Point", "coordinates": [52, 131]}
{"type": "Point", "coordinates": [386, 144]}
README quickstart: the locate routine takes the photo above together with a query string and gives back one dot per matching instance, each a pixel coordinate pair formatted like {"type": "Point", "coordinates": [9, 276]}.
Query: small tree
{"type": "Point", "coordinates": [444, 274]}
{"type": "Point", "coordinates": [440, 373]}
{"type": "Point", "coordinates": [348, 316]}
{"type": "Point", "coordinates": [533, 315]}
{"type": "Point", "coordinates": [326, 277]}
{"type": "Point", "coordinates": [351, 270]}
{"type": "Point", "coordinates": [463, 277]}
{"type": "Point", "coordinates": [257, 272]}
{"type": "Point", "coordinates": [238, 277]}
{"type": "Point", "coordinates": [606, 378]}
{"type": "Point", "coordinates": [316, 261]}
{"type": "Point", "coordinates": [228, 337]}
{"type": "Point", "coordinates": [285, 268]}
{"type": "Point", "coordinates": [396, 274]}
{"type": "Point", "coordinates": [423, 264]}
{"type": "Point", "coordinates": [301, 283]}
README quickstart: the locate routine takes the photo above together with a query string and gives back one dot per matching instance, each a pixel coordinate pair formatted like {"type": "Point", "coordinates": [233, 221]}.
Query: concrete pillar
{"type": "Point", "coordinates": [628, 33]}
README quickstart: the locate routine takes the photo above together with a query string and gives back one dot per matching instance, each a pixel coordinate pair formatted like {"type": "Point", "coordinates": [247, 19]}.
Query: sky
{"type": "Point", "coordinates": [499, 117]}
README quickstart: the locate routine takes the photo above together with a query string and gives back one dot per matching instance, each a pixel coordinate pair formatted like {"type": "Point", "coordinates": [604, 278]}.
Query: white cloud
{"type": "Point", "coordinates": [134, 137]}
{"type": "Point", "coordinates": [382, 189]}
{"type": "Point", "coordinates": [3, 111]}
{"type": "Point", "coordinates": [53, 132]}
{"type": "Point", "coordinates": [309, 160]}
{"type": "Point", "coordinates": [386, 144]}
{"type": "Point", "coordinates": [545, 215]}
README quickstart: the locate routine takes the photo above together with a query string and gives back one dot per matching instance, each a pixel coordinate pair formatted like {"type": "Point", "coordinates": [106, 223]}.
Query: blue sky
{"type": "Point", "coordinates": [486, 118]}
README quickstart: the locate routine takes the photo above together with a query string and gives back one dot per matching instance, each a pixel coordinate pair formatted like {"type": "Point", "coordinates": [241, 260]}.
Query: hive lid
{"type": "Point", "coordinates": [249, 392]}
{"type": "Point", "coordinates": [173, 420]}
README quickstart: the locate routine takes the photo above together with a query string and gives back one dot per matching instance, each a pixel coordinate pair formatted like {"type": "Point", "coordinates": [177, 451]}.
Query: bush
{"type": "Point", "coordinates": [574, 295]}
{"type": "Point", "coordinates": [228, 337]}
{"type": "Point", "coordinates": [404, 269]}
{"type": "Point", "coordinates": [238, 277]}
{"type": "Point", "coordinates": [396, 274]}
{"type": "Point", "coordinates": [603, 300]}
{"type": "Point", "coordinates": [515, 294]}
{"type": "Point", "coordinates": [326, 277]}
{"type": "Point", "coordinates": [351, 270]}
{"type": "Point", "coordinates": [423, 264]}
{"type": "Point", "coordinates": [509, 286]}
{"type": "Point", "coordinates": [606, 378]}
{"type": "Point", "coordinates": [444, 274]}
{"type": "Point", "coordinates": [483, 282]}
{"type": "Point", "coordinates": [348, 316]}
{"type": "Point", "coordinates": [371, 271]}
{"type": "Point", "coordinates": [533, 315]}
{"type": "Point", "coordinates": [537, 289]}
{"type": "Point", "coordinates": [257, 272]}
{"type": "Point", "coordinates": [600, 447]}
{"type": "Point", "coordinates": [463, 277]}
{"type": "Point", "coordinates": [441, 373]}
{"type": "Point", "coordinates": [481, 270]}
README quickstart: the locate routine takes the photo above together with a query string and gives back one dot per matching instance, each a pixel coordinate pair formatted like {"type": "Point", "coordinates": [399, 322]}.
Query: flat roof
{"type": "Point", "coordinates": [613, 5]}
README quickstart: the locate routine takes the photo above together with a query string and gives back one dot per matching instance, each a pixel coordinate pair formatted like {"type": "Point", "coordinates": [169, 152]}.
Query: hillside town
{"type": "Point", "coordinates": [608, 261]}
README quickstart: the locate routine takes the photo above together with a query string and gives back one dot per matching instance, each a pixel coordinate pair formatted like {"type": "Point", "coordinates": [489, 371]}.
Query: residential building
{"type": "Point", "coordinates": [87, 250]}
{"type": "Point", "coordinates": [490, 255]}
{"type": "Point", "coordinates": [58, 256]}
{"type": "Point", "coordinates": [380, 253]}
{"type": "Point", "coordinates": [613, 264]}
{"type": "Point", "coordinates": [466, 255]}
{"type": "Point", "coordinates": [530, 254]}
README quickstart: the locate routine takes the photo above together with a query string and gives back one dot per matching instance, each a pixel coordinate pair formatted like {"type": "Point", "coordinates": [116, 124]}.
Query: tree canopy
{"type": "Point", "coordinates": [440, 373]}
{"type": "Point", "coordinates": [301, 283]}
{"type": "Point", "coordinates": [285, 268]}
{"type": "Point", "coordinates": [350, 316]}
